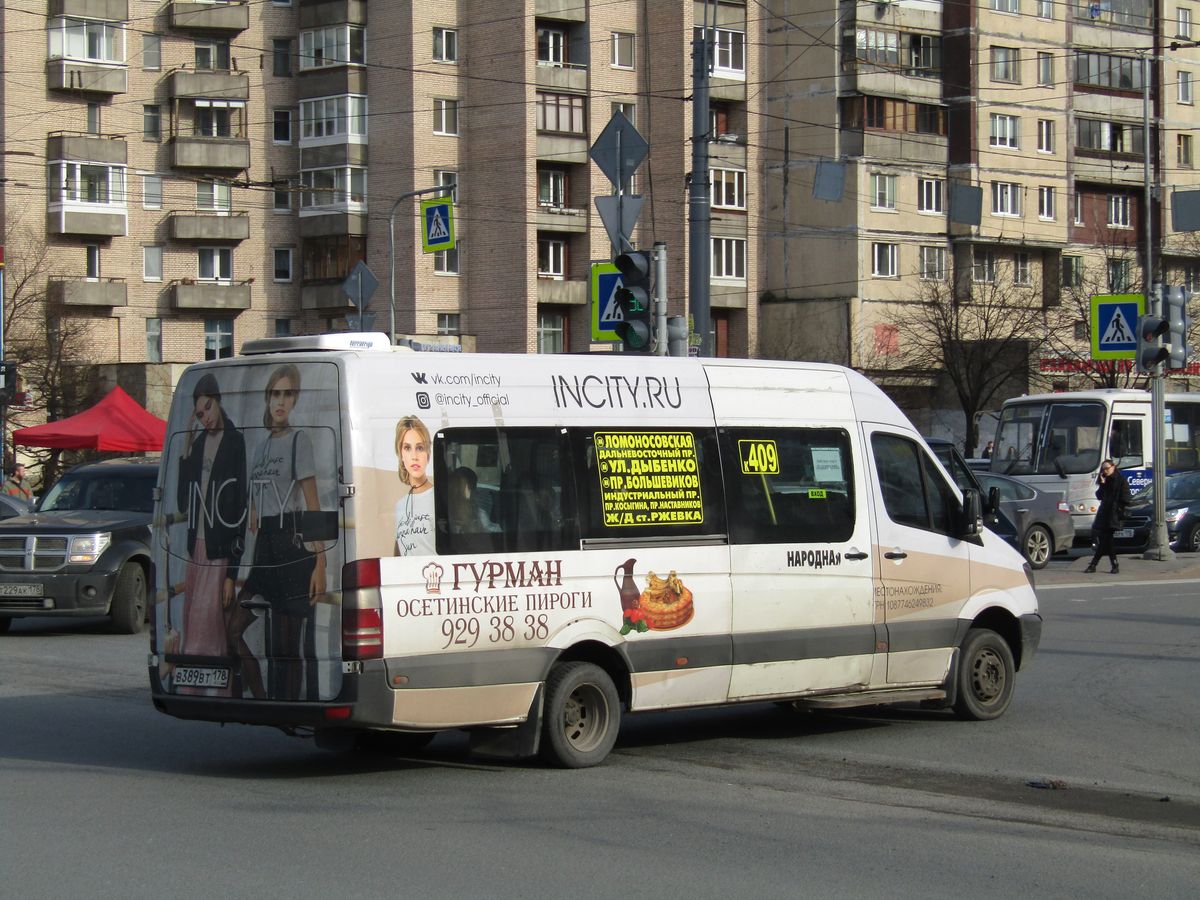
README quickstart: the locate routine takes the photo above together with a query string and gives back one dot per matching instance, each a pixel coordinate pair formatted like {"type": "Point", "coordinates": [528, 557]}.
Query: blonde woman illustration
{"type": "Point", "coordinates": [414, 509]}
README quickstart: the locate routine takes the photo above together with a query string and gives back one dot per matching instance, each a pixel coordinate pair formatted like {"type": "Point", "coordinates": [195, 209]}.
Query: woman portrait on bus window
{"type": "Point", "coordinates": [414, 509]}
{"type": "Point", "coordinates": [211, 490]}
{"type": "Point", "coordinates": [288, 571]}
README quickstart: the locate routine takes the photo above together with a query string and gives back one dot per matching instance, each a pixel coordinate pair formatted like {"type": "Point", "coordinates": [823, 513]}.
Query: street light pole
{"type": "Point", "coordinates": [449, 188]}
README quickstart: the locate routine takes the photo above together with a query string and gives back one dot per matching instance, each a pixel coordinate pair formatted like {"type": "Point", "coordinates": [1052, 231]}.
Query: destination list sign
{"type": "Point", "coordinates": [649, 478]}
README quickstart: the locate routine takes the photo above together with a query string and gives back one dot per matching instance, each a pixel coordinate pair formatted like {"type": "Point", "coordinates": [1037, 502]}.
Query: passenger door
{"type": "Point", "coordinates": [922, 568]}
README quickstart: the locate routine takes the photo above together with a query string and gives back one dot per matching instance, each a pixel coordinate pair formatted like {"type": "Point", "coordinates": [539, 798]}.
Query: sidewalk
{"type": "Point", "coordinates": [1069, 569]}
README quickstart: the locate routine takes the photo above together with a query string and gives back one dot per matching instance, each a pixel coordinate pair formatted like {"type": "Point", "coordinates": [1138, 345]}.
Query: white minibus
{"type": "Point", "coordinates": [369, 544]}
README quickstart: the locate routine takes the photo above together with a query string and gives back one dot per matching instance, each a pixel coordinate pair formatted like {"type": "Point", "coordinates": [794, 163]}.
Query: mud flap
{"type": "Point", "coordinates": [950, 685]}
{"type": "Point", "coordinates": [515, 742]}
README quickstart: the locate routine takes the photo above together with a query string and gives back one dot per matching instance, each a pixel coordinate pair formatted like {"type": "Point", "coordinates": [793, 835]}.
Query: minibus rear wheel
{"type": "Point", "coordinates": [581, 717]}
{"type": "Point", "coordinates": [986, 675]}
{"type": "Point", "coordinates": [128, 607]}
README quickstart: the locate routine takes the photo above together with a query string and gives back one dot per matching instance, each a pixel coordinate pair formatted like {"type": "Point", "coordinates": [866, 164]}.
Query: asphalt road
{"type": "Point", "coordinates": [1087, 787]}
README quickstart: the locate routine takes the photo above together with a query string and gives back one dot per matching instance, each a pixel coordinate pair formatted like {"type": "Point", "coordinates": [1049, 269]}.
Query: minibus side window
{"type": "Point", "coordinates": [504, 490]}
{"type": "Point", "coordinates": [645, 483]}
{"type": "Point", "coordinates": [788, 485]}
{"type": "Point", "coordinates": [914, 491]}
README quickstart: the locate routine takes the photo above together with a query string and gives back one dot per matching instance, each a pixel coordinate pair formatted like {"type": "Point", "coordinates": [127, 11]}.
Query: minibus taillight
{"type": "Point", "coordinates": [360, 573]}
{"type": "Point", "coordinates": [362, 634]}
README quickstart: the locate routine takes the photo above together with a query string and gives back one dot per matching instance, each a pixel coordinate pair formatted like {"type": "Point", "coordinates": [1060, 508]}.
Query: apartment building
{"type": "Point", "coordinates": [887, 109]}
{"type": "Point", "coordinates": [191, 175]}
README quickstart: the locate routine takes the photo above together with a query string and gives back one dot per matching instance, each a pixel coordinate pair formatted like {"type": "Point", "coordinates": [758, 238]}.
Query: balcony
{"type": "Point", "coordinates": [228, 17]}
{"type": "Point", "coordinates": [89, 148]}
{"type": "Point", "coordinates": [209, 153]}
{"type": "Point", "coordinates": [89, 77]}
{"type": "Point", "coordinates": [566, 77]}
{"type": "Point", "coordinates": [564, 10]}
{"type": "Point", "coordinates": [204, 83]}
{"type": "Point", "coordinates": [206, 296]}
{"type": "Point", "coordinates": [570, 292]}
{"type": "Point", "coordinates": [325, 297]}
{"type": "Point", "coordinates": [107, 292]}
{"type": "Point", "coordinates": [210, 226]}
{"type": "Point", "coordinates": [561, 148]}
{"type": "Point", "coordinates": [562, 218]}
{"type": "Point", "coordinates": [318, 13]}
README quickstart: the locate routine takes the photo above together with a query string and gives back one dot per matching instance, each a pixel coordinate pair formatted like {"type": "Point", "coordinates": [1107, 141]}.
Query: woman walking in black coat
{"type": "Point", "coordinates": [1112, 490]}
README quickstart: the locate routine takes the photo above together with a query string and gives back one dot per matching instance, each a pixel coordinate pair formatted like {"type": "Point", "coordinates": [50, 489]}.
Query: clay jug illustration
{"type": "Point", "coordinates": [630, 595]}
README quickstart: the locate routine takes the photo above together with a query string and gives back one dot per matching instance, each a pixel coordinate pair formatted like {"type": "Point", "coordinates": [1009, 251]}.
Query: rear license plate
{"type": "Point", "coordinates": [201, 676]}
{"type": "Point", "coordinates": [20, 590]}
{"type": "Point", "coordinates": [1123, 533]}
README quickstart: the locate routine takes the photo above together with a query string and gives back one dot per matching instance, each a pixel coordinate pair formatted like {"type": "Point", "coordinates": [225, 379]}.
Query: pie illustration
{"type": "Point", "coordinates": [665, 602]}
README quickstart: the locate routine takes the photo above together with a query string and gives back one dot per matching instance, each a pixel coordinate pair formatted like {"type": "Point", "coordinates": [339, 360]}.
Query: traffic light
{"type": "Point", "coordinates": [1175, 309]}
{"type": "Point", "coordinates": [636, 328]}
{"type": "Point", "coordinates": [1150, 348]}
{"type": "Point", "coordinates": [8, 382]}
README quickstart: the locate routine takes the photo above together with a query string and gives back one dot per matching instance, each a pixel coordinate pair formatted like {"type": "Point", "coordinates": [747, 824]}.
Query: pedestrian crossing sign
{"type": "Point", "coordinates": [1114, 325]}
{"type": "Point", "coordinates": [606, 313]}
{"type": "Point", "coordinates": [437, 224]}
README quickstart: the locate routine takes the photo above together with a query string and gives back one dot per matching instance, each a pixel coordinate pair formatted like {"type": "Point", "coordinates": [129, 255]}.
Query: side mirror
{"type": "Point", "coordinates": [972, 520]}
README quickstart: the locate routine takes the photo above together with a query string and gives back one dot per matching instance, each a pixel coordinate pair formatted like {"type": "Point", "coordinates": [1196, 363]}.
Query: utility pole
{"type": "Point", "coordinates": [699, 199]}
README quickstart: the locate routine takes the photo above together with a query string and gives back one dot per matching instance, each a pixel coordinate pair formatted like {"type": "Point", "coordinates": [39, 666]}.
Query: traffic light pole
{"type": "Point", "coordinates": [1160, 541]}
{"type": "Point", "coordinates": [660, 298]}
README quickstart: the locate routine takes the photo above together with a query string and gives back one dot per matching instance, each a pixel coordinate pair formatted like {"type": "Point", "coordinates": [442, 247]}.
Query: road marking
{"type": "Point", "coordinates": [1099, 583]}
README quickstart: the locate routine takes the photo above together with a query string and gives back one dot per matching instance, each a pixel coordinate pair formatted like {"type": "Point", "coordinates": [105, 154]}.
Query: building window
{"type": "Point", "coordinates": [75, 182]}
{"type": "Point", "coordinates": [551, 46]}
{"type": "Point", "coordinates": [151, 122]}
{"type": "Point", "coordinates": [1045, 69]}
{"type": "Point", "coordinates": [153, 339]}
{"type": "Point", "coordinates": [218, 338]}
{"type": "Point", "coordinates": [152, 191]}
{"type": "Point", "coordinates": [1185, 87]}
{"type": "Point", "coordinates": [933, 264]}
{"type": "Point", "coordinates": [883, 191]}
{"type": "Point", "coordinates": [929, 195]}
{"type": "Point", "coordinates": [152, 263]}
{"type": "Point", "coordinates": [728, 51]}
{"type": "Point", "coordinates": [628, 110]}
{"type": "Point", "coordinates": [341, 187]}
{"type": "Point", "coordinates": [449, 178]}
{"type": "Point", "coordinates": [1104, 70]}
{"type": "Point", "coordinates": [86, 39]}
{"type": "Point", "coordinates": [728, 188]}
{"type": "Point", "coordinates": [151, 51]}
{"type": "Point", "coordinates": [560, 113]}
{"type": "Point", "coordinates": [445, 45]}
{"type": "Point", "coordinates": [445, 116]}
{"type": "Point", "coordinates": [281, 57]}
{"type": "Point", "coordinates": [1109, 137]}
{"type": "Point", "coordinates": [1118, 211]}
{"type": "Point", "coordinates": [983, 268]}
{"type": "Point", "coordinates": [1045, 9]}
{"type": "Point", "coordinates": [552, 188]}
{"type": "Point", "coordinates": [1183, 145]}
{"type": "Point", "coordinates": [551, 258]}
{"type": "Point", "coordinates": [93, 118]}
{"type": "Point", "coordinates": [335, 45]}
{"type": "Point", "coordinates": [446, 262]}
{"type": "Point", "coordinates": [1078, 208]}
{"type": "Point", "coordinates": [1045, 135]}
{"type": "Point", "coordinates": [551, 331]}
{"type": "Point", "coordinates": [884, 260]}
{"type": "Point", "coordinates": [449, 323]}
{"type": "Point", "coordinates": [211, 54]}
{"type": "Point", "coordinates": [1008, 6]}
{"type": "Point", "coordinates": [92, 262]}
{"type": "Point", "coordinates": [281, 132]}
{"type": "Point", "coordinates": [214, 196]}
{"type": "Point", "coordinates": [283, 328]}
{"type": "Point", "coordinates": [1006, 64]}
{"type": "Point", "coordinates": [622, 50]}
{"type": "Point", "coordinates": [338, 118]}
{"type": "Point", "coordinates": [1183, 22]}
{"type": "Point", "coordinates": [1004, 131]}
{"type": "Point", "coordinates": [282, 264]}
{"type": "Point", "coordinates": [729, 259]}
{"type": "Point", "coordinates": [1119, 275]}
{"type": "Point", "coordinates": [1022, 270]}
{"type": "Point", "coordinates": [925, 55]}
{"type": "Point", "coordinates": [214, 264]}
{"type": "Point", "coordinates": [1006, 198]}
{"type": "Point", "coordinates": [281, 200]}
{"type": "Point", "coordinates": [1072, 271]}
{"type": "Point", "coordinates": [1046, 202]}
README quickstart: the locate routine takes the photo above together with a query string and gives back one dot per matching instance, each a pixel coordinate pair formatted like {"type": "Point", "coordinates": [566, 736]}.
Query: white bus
{"type": "Point", "coordinates": [1056, 442]}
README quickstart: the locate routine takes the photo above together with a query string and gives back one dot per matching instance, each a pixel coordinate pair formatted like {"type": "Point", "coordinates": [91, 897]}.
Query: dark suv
{"type": "Point", "coordinates": [85, 548]}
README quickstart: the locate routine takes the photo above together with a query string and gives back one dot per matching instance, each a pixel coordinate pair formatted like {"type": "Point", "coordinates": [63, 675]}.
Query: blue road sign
{"type": "Point", "coordinates": [605, 310]}
{"type": "Point", "coordinates": [437, 217]}
{"type": "Point", "coordinates": [1114, 325]}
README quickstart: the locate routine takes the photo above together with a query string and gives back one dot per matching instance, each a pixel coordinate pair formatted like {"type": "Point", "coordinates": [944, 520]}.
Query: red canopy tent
{"type": "Point", "coordinates": [118, 422]}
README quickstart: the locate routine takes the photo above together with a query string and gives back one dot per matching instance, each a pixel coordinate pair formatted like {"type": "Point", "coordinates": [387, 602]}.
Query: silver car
{"type": "Point", "coordinates": [1042, 518]}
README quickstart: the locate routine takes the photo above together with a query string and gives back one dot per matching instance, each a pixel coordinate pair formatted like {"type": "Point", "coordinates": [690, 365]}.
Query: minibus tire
{"type": "Point", "coordinates": [128, 608]}
{"type": "Point", "coordinates": [986, 676]}
{"type": "Point", "coordinates": [582, 716]}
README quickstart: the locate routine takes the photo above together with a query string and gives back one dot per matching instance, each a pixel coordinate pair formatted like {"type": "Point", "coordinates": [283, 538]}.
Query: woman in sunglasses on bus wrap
{"type": "Point", "coordinates": [1112, 490]}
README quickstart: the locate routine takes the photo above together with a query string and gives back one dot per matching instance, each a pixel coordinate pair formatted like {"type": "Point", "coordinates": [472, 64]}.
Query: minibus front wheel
{"type": "Point", "coordinates": [986, 676]}
{"type": "Point", "coordinates": [582, 715]}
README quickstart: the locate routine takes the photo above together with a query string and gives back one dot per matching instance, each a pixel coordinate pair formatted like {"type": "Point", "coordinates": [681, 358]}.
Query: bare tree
{"type": "Point", "coordinates": [977, 334]}
{"type": "Point", "coordinates": [48, 347]}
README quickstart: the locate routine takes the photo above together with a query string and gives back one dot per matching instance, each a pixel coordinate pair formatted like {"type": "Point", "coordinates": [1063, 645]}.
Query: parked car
{"type": "Point", "coordinates": [994, 518]}
{"type": "Point", "coordinates": [979, 464]}
{"type": "Point", "coordinates": [1042, 518]}
{"type": "Point", "coordinates": [1183, 516]}
{"type": "Point", "coordinates": [13, 506]}
{"type": "Point", "coordinates": [85, 548]}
